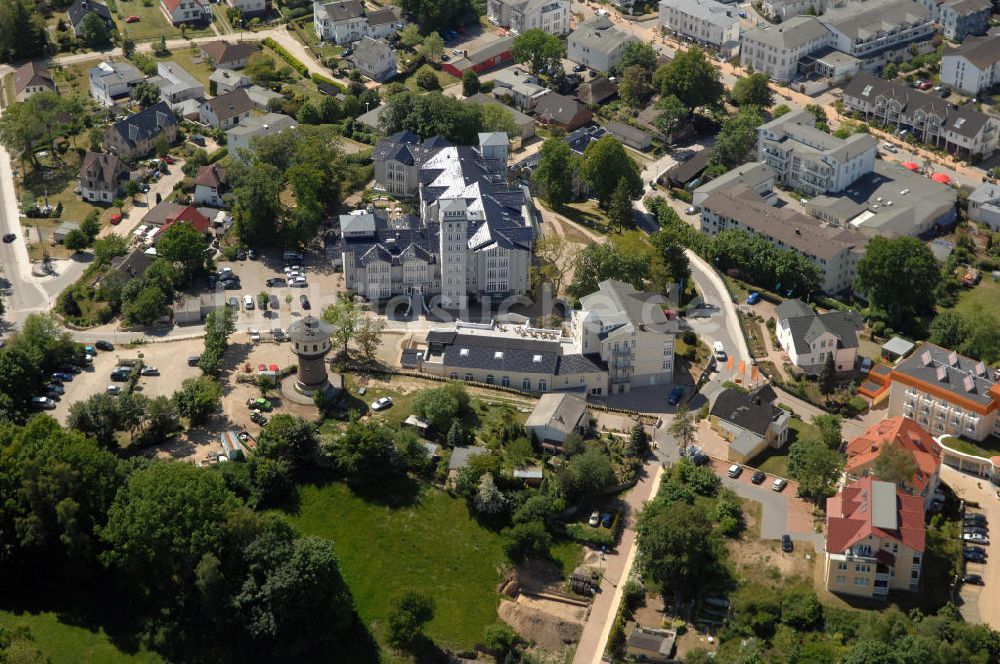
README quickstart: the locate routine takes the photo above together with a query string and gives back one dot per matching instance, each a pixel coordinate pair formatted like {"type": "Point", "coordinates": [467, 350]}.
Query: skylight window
{"type": "Point", "coordinates": [959, 122]}
{"type": "Point", "coordinates": [498, 355]}
{"type": "Point", "coordinates": [537, 359]}
{"type": "Point", "coordinates": [867, 91]}
{"type": "Point", "coordinates": [463, 352]}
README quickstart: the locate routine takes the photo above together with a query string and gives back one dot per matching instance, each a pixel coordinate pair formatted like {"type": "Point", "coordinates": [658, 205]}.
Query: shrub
{"type": "Point", "coordinates": [294, 62]}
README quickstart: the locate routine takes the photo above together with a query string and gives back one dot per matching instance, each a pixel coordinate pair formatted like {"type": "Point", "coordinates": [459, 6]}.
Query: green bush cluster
{"type": "Point", "coordinates": [295, 63]}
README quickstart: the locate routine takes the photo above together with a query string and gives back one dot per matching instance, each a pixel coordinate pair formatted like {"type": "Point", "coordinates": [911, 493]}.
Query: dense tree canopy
{"type": "Point", "coordinates": [432, 115]}
{"type": "Point", "coordinates": [753, 90]}
{"type": "Point", "coordinates": [762, 263]}
{"type": "Point", "coordinates": [605, 164]}
{"type": "Point", "coordinates": [692, 78]}
{"type": "Point", "coordinates": [737, 139]}
{"type": "Point", "coordinates": [597, 262]}
{"type": "Point", "coordinates": [974, 332]}
{"type": "Point", "coordinates": [899, 276]}
{"type": "Point", "coordinates": [815, 466]}
{"type": "Point", "coordinates": [556, 170]}
{"type": "Point", "coordinates": [540, 50]}
{"type": "Point", "coordinates": [22, 31]}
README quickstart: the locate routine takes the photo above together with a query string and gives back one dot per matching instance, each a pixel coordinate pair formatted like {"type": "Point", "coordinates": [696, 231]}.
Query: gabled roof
{"type": "Point", "coordinates": [596, 91]}
{"type": "Point", "coordinates": [222, 52]}
{"type": "Point", "coordinates": [79, 9]}
{"type": "Point", "coordinates": [559, 411]}
{"type": "Point", "coordinates": [382, 17]}
{"type": "Point", "coordinates": [344, 10]}
{"type": "Point", "coordinates": [867, 508]}
{"type": "Point", "coordinates": [145, 124]}
{"type": "Point", "coordinates": [460, 456]}
{"type": "Point", "coordinates": [791, 34]}
{"type": "Point", "coordinates": [104, 168]}
{"type": "Point", "coordinates": [228, 105]}
{"type": "Point", "coordinates": [134, 264]}
{"type": "Point", "coordinates": [600, 35]}
{"type": "Point", "coordinates": [753, 411]}
{"type": "Point", "coordinates": [963, 377]}
{"type": "Point", "coordinates": [805, 325]}
{"type": "Point", "coordinates": [31, 74]}
{"type": "Point", "coordinates": [188, 215]}
{"type": "Point", "coordinates": [210, 176]}
{"type": "Point", "coordinates": [558, 108]}
{"type": "Point", "coordinates": [370, 50]}
{"type": "Point", "coordinates": [980, 51]}
{"type": "Point", "coordinates": [172, 5]}
{"type": "Point", "coordinates": [907, 434]}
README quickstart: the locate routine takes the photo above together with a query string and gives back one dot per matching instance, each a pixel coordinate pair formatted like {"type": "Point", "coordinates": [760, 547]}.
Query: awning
{"type": "Point", "coordinates": [910, 165]}
{"type": "Point", "coordinates": [942, 178]}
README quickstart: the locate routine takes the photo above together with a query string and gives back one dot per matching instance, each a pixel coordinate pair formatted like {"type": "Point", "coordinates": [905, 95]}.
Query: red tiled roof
{"type": "Point", "coordinates": [849, 518]}
{"type": "Point", "coordinates": [902, 431]}
{"type": "Point", "coordinates": [189, 215]}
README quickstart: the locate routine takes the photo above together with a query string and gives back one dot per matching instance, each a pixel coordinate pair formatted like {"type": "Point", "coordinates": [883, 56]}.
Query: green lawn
{"type": "Point", "coordinates": [985, 295]}
{"type": "Point", "coordinates": [152, 22]}
{"type": "Point", "coordinates": [444, 78]}
{"type": "Point", "coordinates": [74, 78]}
{"type": "Point", "coordinates": [190, 59]}
{"type": "Point", "coordinates": [775, 461]}
{"type": "Point", "coordinates": [67, 644]}
{"type": "Point", "coordinates": [432, 546]}
{"type": "Point", "coordinates": [986, 449]}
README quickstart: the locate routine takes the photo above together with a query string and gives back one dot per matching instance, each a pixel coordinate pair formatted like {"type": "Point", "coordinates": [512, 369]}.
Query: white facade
{"type": "Point", "coordinates": [186, 11]}
{"type": "Point", "coordinates": [630, 332]}
{"type": "Point", "coordinates": [984, 205]}
{"type": "Point", "coordinates": [597, 44]}
{"type": "Point", "coordinates": [552, 16]}
{"type": "Point", "coordinates": [973, 67]}
{"type": "Point", "coordinates": [248, 7]}
{"type": "Point", "coordinates": [776, 50]}
{"type": "Point", "coordinates": [705, 21]}
{"type": "Point", "coordinates": [810, 160]}
{"type": "Point", "coordinates": [113, 81]}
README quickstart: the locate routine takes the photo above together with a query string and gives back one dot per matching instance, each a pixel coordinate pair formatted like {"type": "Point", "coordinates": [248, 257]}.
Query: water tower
{"type": "Point", "coordinates": [310, 339]}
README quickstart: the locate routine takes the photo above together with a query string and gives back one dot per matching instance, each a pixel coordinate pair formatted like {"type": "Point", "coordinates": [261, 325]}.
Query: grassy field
{"type": "Point", "coordinates": [431, 546]}
{"type": "Point", "coordinates": [68, 644]}
{"type": "Point", "coordinates": [987, 448]}
{"type": "Point", "coordinates": [444, 78]}
{"type": "Point", "coordinates": [190, 59]}
{"type": "Point", "coordinates": [985, 295]}
{"type": "Point", "coordinates": [775, 461]}
{"type": "Point", "coordinates": [74, 78]}
{"type": "Point", "coordinates": [152, 22]}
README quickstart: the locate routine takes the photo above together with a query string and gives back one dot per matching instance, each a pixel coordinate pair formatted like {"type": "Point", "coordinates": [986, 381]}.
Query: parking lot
{"type": "Point", "coordinates": [978, 603]}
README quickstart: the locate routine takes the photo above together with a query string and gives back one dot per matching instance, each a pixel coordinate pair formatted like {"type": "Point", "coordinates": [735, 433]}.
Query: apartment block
{"type": "Point", "coordinates": [946, 393]}
{"type": "Point", "coordinates": [875, 540]}
{"type": "Point", "coordinates": [903, 434]}
{"type": "Point", "coordinates": [707, 22]}
{"type": "Point", "coordinates": [972, 67]}
{"type": "Point", "coordinates": [810, 160]}
{"type": "Point", "coordinates": [552, 16]}
{"type": "Point", "coordinates": [957, 19]}
{"type": "Point", "coordinates": [777, 49]}
{"type": "Point", "coordinates": [597, 44]}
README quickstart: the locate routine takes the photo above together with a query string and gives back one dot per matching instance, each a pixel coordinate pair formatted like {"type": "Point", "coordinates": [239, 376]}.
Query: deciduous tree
{"type": "Point", "coordinates": [410, 612]}
{"type": "Point", "coordinates": [895, 464]}
{"type": "Point", "coordinates": [557, 167]}
{"type": "Point", "coordinates": [899, 276]}
{"type": "Point", "coordinates": [753, 90]}
{"type": "Point", "coordinates": [605, 164]}
{"type": "Point", "coordinates": [692, 78]}
{"type": "Point", "coordinates": [815, 466]}
{"type": "Point", "coordinates": [539, 49]}
{"type": "Point", "coordinates": [673, 115]}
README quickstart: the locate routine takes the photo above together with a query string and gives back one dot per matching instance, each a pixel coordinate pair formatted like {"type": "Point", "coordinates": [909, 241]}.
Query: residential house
{"type": "Point", "coordinates": [474, 236]}
{"type": "Point", "coordinates": [111, 82]}
{"type": "Point", "coordinates": [81, 8]}
{"type": "Point", "coordinates": [60, 232]}
{"type": "Point", "coordinates": [755, 176]}
{"type": "Point", "coordinates": [136, 135]}
{"type": "Point", "coordinates": [688, 172]}
{"type": "Point", "coordinates": [835, 251]}
{"type": "Point", "coordinates": [226, 80]}
{"type": "Point", "coordinates": [521, 88]}
{"type": "Point", "coordinates": [186, 12]}
{"type": "Point", "coordinates": [340, 22]}
{"type": "Point", "coordinates": [749, 421]}
{"type": "Point", "coordinates": [813, 161]}
{"type": "Point", "coordinates": [875, 540]}
{"type": "Point", "coordinates": [227, 110]}
{"type": "Point", "coordinates": [209, 185]}
{"type": "Point", "coordinates": [562, 111]}
{"type": "Point", "coordinates": [629, 331]}
{"type": "Point", "coordinates": [960, 130]}
{"type": "Point", "coordinates": [597, 44]}
{"type": "Point", "coordinates": [555, 417]}
{"type": "Point", "coordinates": [630, 136]}
{"type": "Point", "coordinates": [30, 78]}
{"type": "Point", "coordinates": [776, 49]}
{"type": "Point", "coordinates": [512, 356]}
{"type": "Point", "coordinates": [905, 435]}
{"type": "Point", "coordinates": [880, 33]}
{"type": "Point", "coordinates": [228, 55]}
{"type": "Point", "coordinates": [973, 67]}
{"type": "Point", "coordinates": [811, 338]}
{"type": "Point", "coordinates": [369, 120]}
{"type": "Point", "coordinates": [706, 22]}
{"type": "Point", "coordinates": [596, 91]}
{"type": "Point", "coordinates": [487, 57]}
{"type": "Point", "coordinates": [524, 123]}
{"type": "Point", "coordinates": [649, 644]}
{"type": "Point", "coordinates": [946, 393]}
{"type": "Point", "coordinates": [241, 136]}
{"type": "Point", "coordinates": [176, 84]}
{"type": "Point", "coordinates": [957, 19]}
{"type": "Point", "coordinates": [382, 23]}
{"type": "Point", "coordinates": [374, 58]}
{"type": "Point", "coordinates": [101, 177]}
{"type": "Point", "coordinates": [984, 205]}
{"type": "Point", "coordinates": [249, 8]}
{"type": "Point", "coordinates": [132, 265]}
{"type": "Point", "coordinates": [552, 16]}
{"type": "Point", "coordinates": [186, 215]}
{"type": "Point", "coordinates": [262, 98]}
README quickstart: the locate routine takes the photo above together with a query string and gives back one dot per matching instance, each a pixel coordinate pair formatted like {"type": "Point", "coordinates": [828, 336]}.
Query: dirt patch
{"type": "Point", "coordinates": [537, 575]}
{"type": "Point", "coordinates": [765, 562]}
{"type": "Point", "coordinates": [534, 622]}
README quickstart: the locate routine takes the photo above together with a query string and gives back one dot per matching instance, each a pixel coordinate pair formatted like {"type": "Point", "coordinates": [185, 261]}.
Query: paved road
{"type": "Point", "coordinates": [617, 566]}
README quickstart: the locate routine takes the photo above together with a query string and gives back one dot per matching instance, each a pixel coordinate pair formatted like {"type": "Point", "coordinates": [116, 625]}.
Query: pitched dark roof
{"type": "Point", "coordinates": [146, 124]}
{"type": "Point", "coordinates": [596, 91]}
{"type": "Point", "coordinates": [344, 10]}
{"type": "Point", "coordinates": [381, 17]}
{"type": "Point", "coordinates": [210, 176]}
{"type": "Point", "coordinates": [502, 355]}
{"type": "Point", "coordinates": [963, 376]}
{"type": "Point", "coordinates": [231, 104]}
{"type": "Point", "coordinates": [134, 264]}
{"type": "Point", "coordinates": [558, 108]}
{"type": "Point", "coordinates": [104, 168]}
{"type": "Point", "coordinates": [691, 168]}
{"type": "Point", "coordinates": [753, 411]}
{"type": "Point", "coordinates": [805, 325]}
{"type": "Point", "coordinates": [222, 52]}
{"type": "Point", "coordinates": [79, 10]}
{"type": "Point", "coordinates": [980, 51]}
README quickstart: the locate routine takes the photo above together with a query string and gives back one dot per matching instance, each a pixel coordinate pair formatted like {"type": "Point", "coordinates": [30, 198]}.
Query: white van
{"type": "Point", "coordinates": [248, 302]}
{"type": "Point", "coordinates": [720, 351]}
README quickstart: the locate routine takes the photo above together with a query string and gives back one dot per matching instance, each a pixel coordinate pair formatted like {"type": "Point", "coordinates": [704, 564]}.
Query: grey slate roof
{"type": "Point", "coordinates": [980, 51]}
{"type": "Point", "coordinates": [964, 120]}
{"type": "Point", "coordinates": [805, 325]}
{"type": "Point", "coordinates": [146, 124]}
{"type": "Point", "coordinates": [79, 10]}
{"type": "Point", "coordinates": [601, 35]}
{"type": "Point", "coordinates": [559, 411]}
{"type": "Point", "coordinates": [559, 108]}
{"type": "Point", "coordinates": [233, 103]}
{"type": "Point", "coordinates": [577, 141]}
{"type": "Point", "coordinates": [369, 50]}
{"type": "Point", "coordinates": [344, 10]}
{"type": "Point", "coordinates": [961, 375]}
{"type": "Point", "coordinates": [753, 411]}
{"type": "Point", "coordinates": [860, 21]}
{"type": "Point", "coordinates": [791, 34]}
{"type": "Point", "coordinates": [460, 456]}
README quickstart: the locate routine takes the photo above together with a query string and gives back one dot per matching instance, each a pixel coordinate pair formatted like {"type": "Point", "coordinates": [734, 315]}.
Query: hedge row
{"type": "Point", "coordinates": [319, 78]}
{"type": "Point", "coordinates": [287, 57]}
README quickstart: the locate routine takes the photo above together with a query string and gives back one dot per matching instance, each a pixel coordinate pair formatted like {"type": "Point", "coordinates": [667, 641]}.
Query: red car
{"type": "Point", "coordinates": [926, 85]}
{"type": "Point", "coordinates": [169, 160]}
{"type": "Point", "coordinates": [261, 368]}
{"type": "Point", "coordinates": [132, 19]}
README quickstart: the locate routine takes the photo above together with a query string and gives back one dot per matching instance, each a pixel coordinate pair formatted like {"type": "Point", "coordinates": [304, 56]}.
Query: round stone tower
{"type": "Point", "coordinates": [310, 339]}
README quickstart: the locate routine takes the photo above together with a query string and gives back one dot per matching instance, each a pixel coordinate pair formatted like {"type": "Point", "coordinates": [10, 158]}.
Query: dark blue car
{"type": "Point", "coordinates": [676, 395]}
{"type": "Point", "coordinates": [606, 520]}
{"type": "Point", "coordinates": [753, 298]}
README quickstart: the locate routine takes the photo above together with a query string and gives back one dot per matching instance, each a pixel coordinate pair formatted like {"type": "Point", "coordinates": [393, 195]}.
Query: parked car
{"type": "Point", "coordinates": [149, 371]}
{"type": "Point", "coordinates": [197, 139]}
{"type": "Point", "coordinates": [113, 389]}
{"type": "Point", "coordinates": [299, 282]}
{"type": "Point", "coordinates": [925, 85]}
{"type": "Point", "coordinates": [676, 395]}
{"type": "Point", "coordinates": [231, 284]}
{"type": "Point", "coordinates": [55, 388]}
{"type": "Point", "coordinates": [786, 543]}
{"type": "Point", "coordinates": [8, 238]}
{"type": "Point", "coordinates": [690, 210]}
{"type": "Point", "coordinates": [233, 303]}
{"type": "Point", "coordinates": [701, 459]}
{"type": "Point", "coordinates": [594, 520]}
{"type": "Point", "coordinates": [62, 377]}
{"type": "Point", "coordinates": [866, 365]}
{"type": "Point", "coordinates": [278, 333]}
{"type": "Point", "coordinates": [257, 418]}
{"type": "Point", "coordinates": [304, 301]}
{"type": "Point", "coordinates": [974, 516]}
{"type": "Point", "coordinates": [735, 470]}
{"type": "Point", "coordinates": [742, 13]}
{"type": "Point", "coordinates": [758, 477]}
{"type": "Point", "coordinates": [104, 345]}
{"type": "Point", "coordinates": [169, 160]}
{"type": "Point", "coordinates": [193, 360]}
{"type": "Point", "coordinates": [42, 403]}
{"type": "Point", "coordinates": [579, 68]}
{"type": "Point", "coordinates": [975, 531]}
{"type": "Point", "coordinates": [779, 484]}
{"type": "Point", "coordinates": [132, 19]}
{"type": "Point", "coordinates": [259, 403]}
{"type": "Point", "coordinates": [248, 302]}
{"type": "Point", "coordinates": [974, 579]}
{"type": "Point", "coordinates": [976, 549]}
{"type": "Point", "coordinates": [607, 520]}
{"type": "Point", "coordinates": [889, 147]}
{"type": "Point", "coordinates": [753, 298]}
{"type": "Point", "coordinates": [382, 404]}
{"type": "Point", "coordinates": [275, 282]}
{"type": "Point", "coordinates": [976, 537]}
{"type": "Point", "coordinates": [120, 376]}
{"type": "Point", "coordinates": [273, 302]}
{"type": "Point", "coordinates": [973, 556]}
